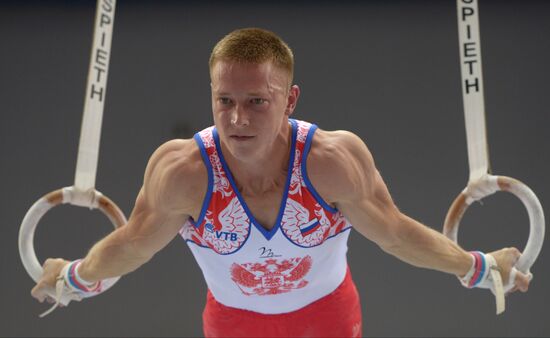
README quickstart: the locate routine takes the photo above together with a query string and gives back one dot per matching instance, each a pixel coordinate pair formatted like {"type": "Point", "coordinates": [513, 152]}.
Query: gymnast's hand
{"type": "Point", "coordinates": [506, 259]}
{"type": "Point", "coordinates": [52, 267]}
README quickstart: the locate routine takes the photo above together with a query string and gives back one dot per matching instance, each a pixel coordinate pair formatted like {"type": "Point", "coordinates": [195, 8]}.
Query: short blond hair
{"type": "Point", "coordinates": [254, 45]}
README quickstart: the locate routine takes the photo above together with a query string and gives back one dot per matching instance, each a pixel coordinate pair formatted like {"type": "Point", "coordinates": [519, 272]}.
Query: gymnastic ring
{"type": "Point", "coordinates": [488, 185]}
{"type": "Point", "coordinates": [69, 195]}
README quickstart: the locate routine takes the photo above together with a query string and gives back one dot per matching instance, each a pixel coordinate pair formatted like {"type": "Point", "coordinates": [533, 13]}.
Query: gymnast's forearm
{"type": "Point", "coordinates": [115, 255]}
{"type": "Point", "coordinates": [424, 247]}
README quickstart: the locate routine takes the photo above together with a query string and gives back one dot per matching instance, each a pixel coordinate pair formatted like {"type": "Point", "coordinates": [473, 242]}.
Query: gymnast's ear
{"type": "Point", "coordinates": [292, 100]}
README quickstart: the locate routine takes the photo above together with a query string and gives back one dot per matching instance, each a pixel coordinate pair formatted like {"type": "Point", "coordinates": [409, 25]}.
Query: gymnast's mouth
{"type": "Point", "coordinates": [241, 137]}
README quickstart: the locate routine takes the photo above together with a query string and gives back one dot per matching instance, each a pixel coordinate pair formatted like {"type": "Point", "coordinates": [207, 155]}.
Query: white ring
{"type": "Point", "coordinates": [488, 185]}
{"type": "Point", "coordinates": [41, 207]}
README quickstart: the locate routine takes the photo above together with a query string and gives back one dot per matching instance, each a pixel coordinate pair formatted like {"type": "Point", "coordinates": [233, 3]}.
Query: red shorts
{"type": "Point", "coordinates": [335, 315]}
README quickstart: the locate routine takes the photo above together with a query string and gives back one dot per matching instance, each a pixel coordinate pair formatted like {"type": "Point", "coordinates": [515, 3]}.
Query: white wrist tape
{"type": "Point", "coordinates": [479, 271]}
{"type": "Point", "coordinates": [485, 274]}
{"type": "Point", "coordinates": [74, 280]}
{"type": "Point", "coordinates": [70, 285]}
{"type": "Point", "coordinates": [466, 279]}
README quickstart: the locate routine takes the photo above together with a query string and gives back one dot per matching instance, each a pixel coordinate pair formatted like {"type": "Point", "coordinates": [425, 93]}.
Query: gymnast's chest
{"type": "Point", "coordinates": [264, 208]}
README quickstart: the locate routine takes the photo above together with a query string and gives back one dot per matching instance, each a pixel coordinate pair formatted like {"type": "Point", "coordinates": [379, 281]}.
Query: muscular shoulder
{"type": "Point", "coordinates": [339, 165]}
{"type": "Point", "coordinates": [175, 177]}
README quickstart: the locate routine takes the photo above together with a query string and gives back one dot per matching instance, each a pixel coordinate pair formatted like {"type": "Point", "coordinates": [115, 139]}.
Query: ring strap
{"type": "Point", "coordinates": [472, 88]}
{"type": "Point", "coordinates": [88, 149]}
{"type": "Point", "coordinates": [481, 183]}
{"type": "Point", "coordinates": [498, 288]}
{"type": "Point", "coordinates": [474, 106]}
{"type": "Point", "coordinates": [59, 291]}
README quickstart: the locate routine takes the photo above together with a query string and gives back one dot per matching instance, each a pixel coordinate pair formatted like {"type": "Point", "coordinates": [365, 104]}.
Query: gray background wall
{"type": "Point", "coordinates": [386, 70]}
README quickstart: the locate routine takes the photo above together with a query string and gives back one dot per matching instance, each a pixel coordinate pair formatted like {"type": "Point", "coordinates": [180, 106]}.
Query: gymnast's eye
{"type": "Point", "coordinates": [224, 100]}
{"type": "Point", "coordinates": [257, 100]}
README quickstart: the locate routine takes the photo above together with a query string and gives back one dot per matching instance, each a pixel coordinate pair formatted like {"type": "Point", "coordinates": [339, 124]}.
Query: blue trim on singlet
{"type": "Point", "coordinates": [209, 194]}
{"type": "Point", "coordinates": [208, 197]}
{"type": "Point", "coordinates": [306, 247]}
{"type": "Point", "coordinates": [268, 234]}
{"type": "Point", "coordinates": [309, 185]}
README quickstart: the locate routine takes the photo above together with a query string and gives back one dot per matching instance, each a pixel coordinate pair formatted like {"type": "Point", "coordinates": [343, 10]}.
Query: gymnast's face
{"type": "Point", "coordinates": [251, 105]}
